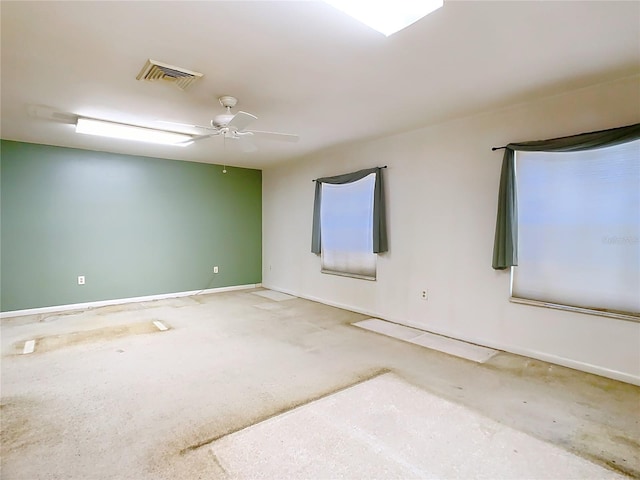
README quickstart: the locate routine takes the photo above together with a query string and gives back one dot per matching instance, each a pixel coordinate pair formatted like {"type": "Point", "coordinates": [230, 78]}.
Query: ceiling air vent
{"type": "Point", "coordinates": [180, 77]}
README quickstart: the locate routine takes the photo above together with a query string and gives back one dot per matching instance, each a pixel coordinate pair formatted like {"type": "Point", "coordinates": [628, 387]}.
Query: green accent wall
{"type": "Point", "coordinates": [133, 226]}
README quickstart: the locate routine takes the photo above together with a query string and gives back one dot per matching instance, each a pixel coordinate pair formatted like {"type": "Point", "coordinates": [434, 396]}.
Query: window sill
{"type": "Point", "coordinates": [351, 275]}
{"type": "Point", "coordinates": [568, 308]}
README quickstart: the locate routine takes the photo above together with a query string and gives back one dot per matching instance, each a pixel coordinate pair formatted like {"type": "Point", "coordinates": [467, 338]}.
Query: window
{"type": "Point", "coordinates": [349, 224]}
{"type": "Point", "coordinates": [346, 219]}
{"type": "Point", "coordinates": [568, 222]}
{"type": "Point", "coordinates": [579, 228]}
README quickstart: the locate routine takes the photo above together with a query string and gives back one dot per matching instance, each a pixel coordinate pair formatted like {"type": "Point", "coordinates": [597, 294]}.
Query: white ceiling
{"type": "Point", "coordinates": [300, 66]}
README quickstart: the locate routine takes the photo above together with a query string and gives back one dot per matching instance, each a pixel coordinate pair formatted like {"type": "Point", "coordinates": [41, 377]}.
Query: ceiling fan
{"type": "Point", "coordinates": [233, 126]}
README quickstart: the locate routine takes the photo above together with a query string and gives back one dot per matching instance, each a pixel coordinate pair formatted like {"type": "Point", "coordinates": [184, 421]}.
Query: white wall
{"type": "Point", "coordinates": [442, 187]}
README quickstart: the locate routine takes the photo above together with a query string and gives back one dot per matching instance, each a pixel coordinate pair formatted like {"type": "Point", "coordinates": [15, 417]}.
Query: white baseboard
{"type": "Point", "coordinates": [545, 357]}
{"type": "Point", "coordinates": [120, 301]}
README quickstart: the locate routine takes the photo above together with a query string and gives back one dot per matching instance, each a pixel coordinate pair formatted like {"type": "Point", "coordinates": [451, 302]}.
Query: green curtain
{"type": "Point", "coordinates": [505, 246]}
{"type": "Point", "coordinates": [380, 243]}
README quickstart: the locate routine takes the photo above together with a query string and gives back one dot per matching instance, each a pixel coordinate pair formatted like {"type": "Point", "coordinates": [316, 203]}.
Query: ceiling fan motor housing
{"type": "Point", "coordinates": [221, 120]}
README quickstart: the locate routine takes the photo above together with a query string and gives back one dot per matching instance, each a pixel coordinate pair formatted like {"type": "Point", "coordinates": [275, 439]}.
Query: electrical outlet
{"type": "Point", "coordinates": [81, 280]}
{"type": "Point", "coordinates": [215, 269]}
{"type": "Point", "coordinates": [424, 295]}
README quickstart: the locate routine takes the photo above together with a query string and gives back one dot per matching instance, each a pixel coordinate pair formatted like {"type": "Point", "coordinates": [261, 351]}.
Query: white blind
{"type": "Point", "coordinates": [579, 228]}
{"type": "Point", "coordinates": [346, 219]}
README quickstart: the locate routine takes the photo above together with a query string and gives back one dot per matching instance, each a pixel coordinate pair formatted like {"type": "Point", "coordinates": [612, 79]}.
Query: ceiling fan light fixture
{"type": "Point", "coordinates": [387, 17]}
{"type": "Point", "coordinates": [104, 128]}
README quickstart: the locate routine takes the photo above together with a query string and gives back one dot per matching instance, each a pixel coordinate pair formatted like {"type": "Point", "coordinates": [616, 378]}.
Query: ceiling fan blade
{"type": "Point", "coordinates": [241, 119]}
{"type": "Point", "coordinates": [198, 138]}
{"type": "Point", "coordinates": [246, 144]}
{"type": "Point", "coordinates": [282, 137]}
{"type": "Point", "coordinates": [185, 125]}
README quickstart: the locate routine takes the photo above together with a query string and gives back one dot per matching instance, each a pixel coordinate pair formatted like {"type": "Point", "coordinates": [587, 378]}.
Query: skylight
{"type": "Point", "coordinates": [386, 16]}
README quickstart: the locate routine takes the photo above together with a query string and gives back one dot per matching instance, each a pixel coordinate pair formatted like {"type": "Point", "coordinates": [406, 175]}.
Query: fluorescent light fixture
{"type": "Point", "coordinates": [386, 16]}
{"type": "Point", "coordinates": [104, 128]}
